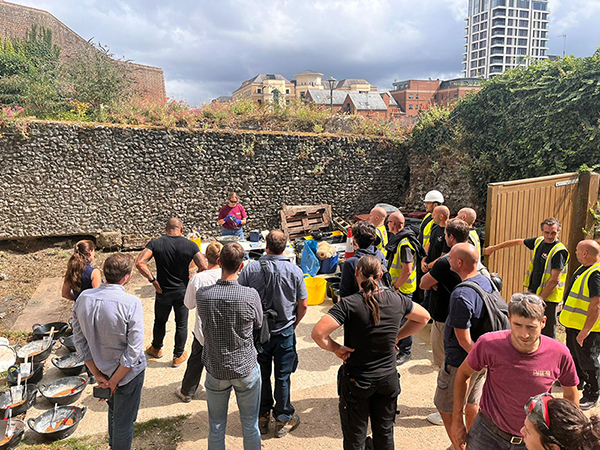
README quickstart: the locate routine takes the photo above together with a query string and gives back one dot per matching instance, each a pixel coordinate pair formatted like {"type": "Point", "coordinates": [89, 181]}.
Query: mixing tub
{"type": "Point", "coordinates": [315, 287]}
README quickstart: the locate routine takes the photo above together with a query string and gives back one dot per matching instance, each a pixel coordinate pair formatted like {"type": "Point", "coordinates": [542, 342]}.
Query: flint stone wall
{"type": "Point", "coordinates": [85, 179]}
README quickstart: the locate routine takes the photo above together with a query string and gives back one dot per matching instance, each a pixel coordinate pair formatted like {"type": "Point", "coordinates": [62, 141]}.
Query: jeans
{"type": "Point", "coordinates": [247, 393]}
{"type": "Point", "coordinates": [405, 345]}
{"type": "Point", "coordinates": [481, 437]}
{"type": "Point", "coordinates": [586, 361]}
{"type": "Point", "coordinates": [361, 399]}
{"type": "Point", "coordinates": [550, 328]}
{"type": "Point", "coordinates": [281, 351]}
{"type": "Point", "coordinates": [193, 371]}
{"type": "Point", "coordinates": [123, 408]}
{"type": "Point", "coordinates": [227, 232]}
{"type": "Point", "coordinates": [163, 304]}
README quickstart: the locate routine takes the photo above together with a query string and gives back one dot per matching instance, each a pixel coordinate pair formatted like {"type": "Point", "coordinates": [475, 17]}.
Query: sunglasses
{"type": "Point", "coordinates": [533, 299]}
{"type": "Point", "coordinates": [536, 410]}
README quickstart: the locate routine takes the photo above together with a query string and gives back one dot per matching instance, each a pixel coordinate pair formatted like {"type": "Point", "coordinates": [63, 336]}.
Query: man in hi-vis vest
{"type": "Point", "coordinates": [580, 318]}
{"type": "Point", "coordinates": [547, 271]}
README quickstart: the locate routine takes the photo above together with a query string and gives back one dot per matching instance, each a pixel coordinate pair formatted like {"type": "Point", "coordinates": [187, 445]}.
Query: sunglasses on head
{"type": "Point", "coordinates": [533, 299]}
{"type": "Point", "coordinates": [536, 410]}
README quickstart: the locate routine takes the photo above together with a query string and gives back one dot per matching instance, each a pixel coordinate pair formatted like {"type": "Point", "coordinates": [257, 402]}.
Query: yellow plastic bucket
{"type": "Point", "coordinates": [315, 287]}
{"type": "Point", "coordinates": [197, 241]}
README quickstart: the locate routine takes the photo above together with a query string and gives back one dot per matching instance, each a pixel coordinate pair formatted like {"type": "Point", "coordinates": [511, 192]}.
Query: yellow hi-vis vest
{"type": "Point", "coordinates": [557, 294]}
{"type": "Point", "coordinates": [410, 285]}
{"type": "Point", "coordinates": [382, 233]}
{"type": "Point", "coordinates": [576, 307]}
{"type": "Point", "coordinates": [474, 239]}
{"type": "Point", "coordinates": [425, 228]}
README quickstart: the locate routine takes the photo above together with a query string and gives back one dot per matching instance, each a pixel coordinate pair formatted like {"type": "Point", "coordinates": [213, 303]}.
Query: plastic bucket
{"type": "Point", "coordinates": [329, 265]}
{"type": "Point", "coordinates": [315, 287]}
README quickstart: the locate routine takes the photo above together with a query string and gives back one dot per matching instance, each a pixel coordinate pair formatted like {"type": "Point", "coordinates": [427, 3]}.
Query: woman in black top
{"type": "Point", "coordinates": [80, 274]}
{"type": "Point", "coordinates": [368, 381]}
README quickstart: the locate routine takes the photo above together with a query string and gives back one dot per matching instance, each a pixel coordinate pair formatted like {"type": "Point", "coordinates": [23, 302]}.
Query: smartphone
{"type": "Point", "coordinates": [103, 393]}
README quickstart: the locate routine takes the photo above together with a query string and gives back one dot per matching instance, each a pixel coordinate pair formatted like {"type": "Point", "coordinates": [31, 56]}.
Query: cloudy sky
{"type": "Point", "coordinates": [207, 48]}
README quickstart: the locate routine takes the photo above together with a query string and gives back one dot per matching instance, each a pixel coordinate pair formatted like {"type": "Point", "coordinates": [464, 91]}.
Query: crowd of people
{"type": "Point", "coordinates": [494, 384]}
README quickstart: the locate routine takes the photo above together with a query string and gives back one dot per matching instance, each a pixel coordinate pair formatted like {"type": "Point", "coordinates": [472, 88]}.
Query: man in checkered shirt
{"type": "Point", "coordinates": [229, 314]}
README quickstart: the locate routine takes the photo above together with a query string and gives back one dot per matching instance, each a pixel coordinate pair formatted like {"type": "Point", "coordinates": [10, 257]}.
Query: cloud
{"type": "Point", "coordinates": [207, 49]}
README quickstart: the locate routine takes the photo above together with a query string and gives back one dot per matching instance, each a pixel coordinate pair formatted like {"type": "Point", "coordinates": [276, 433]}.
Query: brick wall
{"type": "Point", "coordinates": [15, 20]}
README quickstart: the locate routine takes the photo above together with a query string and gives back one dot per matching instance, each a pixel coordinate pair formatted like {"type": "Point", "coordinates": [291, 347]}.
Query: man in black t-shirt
{"type": "Point", "coordinates": [547, 272]}
{"type": "Point", "coordinates": [437, 245]}
{"type": "Point", "coordinates": [442, 281]}
{"type": "Point", "coordinates": [173, 254]}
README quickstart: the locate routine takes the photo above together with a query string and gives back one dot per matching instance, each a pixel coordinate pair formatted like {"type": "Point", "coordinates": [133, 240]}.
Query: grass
{"type": "Point", "coordinates": [146, 435]}
{"type": "Point", "coordinates": [16, 337]}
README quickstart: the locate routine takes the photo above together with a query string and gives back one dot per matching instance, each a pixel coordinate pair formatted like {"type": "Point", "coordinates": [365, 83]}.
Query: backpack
{"type": "Point", "coordinates": [496, 307]}
{"type": "Point", "coordinates": [262, 335]}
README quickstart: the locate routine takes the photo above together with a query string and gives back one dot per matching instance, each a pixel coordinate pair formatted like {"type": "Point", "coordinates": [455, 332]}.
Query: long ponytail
{"type": "Point", "coordinates": [77, 262]}
{"type": "Point", "coordinates": [370, 268]}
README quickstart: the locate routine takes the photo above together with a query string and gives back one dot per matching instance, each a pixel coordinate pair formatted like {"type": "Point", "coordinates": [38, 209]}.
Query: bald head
{"type": "Point", "coordinates": [468, 215]}
{"type": "Point", "coordinates": [174, 226]}
{"type": "Point", "coordinates": [396, 222]}
{"type": "Point", "coordinates": [377, 216]}
{"type": "Point", "coordinates": [588, 252]}
{"type": "Point", "coordinates": [276, 242]}
{"type": "Point", "coordinates": [463, 260]}
{"type": "Point", "coordinates": [440, 215]}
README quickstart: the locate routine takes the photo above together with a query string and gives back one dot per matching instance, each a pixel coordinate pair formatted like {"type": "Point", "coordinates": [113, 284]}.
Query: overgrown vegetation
{"type": "Point", "coordinates": [528, 122]}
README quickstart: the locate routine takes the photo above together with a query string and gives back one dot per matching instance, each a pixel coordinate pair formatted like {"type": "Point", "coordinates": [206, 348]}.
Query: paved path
{"type": "Point", "coordinates": [314, 392]}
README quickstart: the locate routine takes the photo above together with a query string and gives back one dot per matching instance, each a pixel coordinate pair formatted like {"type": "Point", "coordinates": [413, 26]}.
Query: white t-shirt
{"type": "Point", "coordinates": [204, 278]}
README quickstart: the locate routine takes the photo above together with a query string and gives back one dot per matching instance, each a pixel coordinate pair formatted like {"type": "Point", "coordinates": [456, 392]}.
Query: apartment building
{"type": "Point", "coordinates": [501, 34]}
{"type": "Point", "coordinates": [266, 88]}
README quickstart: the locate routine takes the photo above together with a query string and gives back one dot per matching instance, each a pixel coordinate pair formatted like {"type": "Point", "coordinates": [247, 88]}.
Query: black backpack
{"type": "Point", "coordinates": [497, 309]}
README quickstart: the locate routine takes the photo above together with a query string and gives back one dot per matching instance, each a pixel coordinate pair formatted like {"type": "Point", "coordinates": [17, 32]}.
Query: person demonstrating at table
{"type": "Point", "coordinates": [232, 217]}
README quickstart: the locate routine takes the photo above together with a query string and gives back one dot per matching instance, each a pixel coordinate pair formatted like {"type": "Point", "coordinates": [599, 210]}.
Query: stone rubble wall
{"type": "Point", "coordinates": [78, 179]}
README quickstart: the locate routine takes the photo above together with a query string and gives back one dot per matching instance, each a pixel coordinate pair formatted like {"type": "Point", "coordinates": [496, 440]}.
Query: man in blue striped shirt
{"type": "Point", "coordinates": [108, 331]}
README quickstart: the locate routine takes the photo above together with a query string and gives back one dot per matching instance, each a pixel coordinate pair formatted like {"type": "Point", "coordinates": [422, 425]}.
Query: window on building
{"type": "Point", "coordinates": [258, 90]}
{"type": "Point", "coordinates": [544, 34]}
{"type": "Point", "coordinates": [499, 13]}
{"type": "Point", "coordinates": [474, 46]}
{"type": "Point", "coordinates": [417, 96]}
{"type": "Point", "coordinates": [498, 31]}
{"type": "Point", "coordinates": [522, 42]}
{"type": "Point", "coordinates": [511, 13]}
{"type": "Point", "coordinates": [483, 26]}
{"type": "Point", "coordinates": [483, 35]}
{"type": "Point", "coordinates": [542, 52]}
{"type": "Point", "coordinates": [540, 6]}
{"type": "Point", "coordinates": [511, 3]}
{"type": "Point", "coordinates": [410, 96]}
{"type": "Point", "coordinates": [511, 22]}
{"type": "Point", "coordinates": [508, 59]}
{"type": "Point", "coordinates": [456, 94]}
{"type": "Point", "coordinates": [259, 101]}
{"type": "Point", "coordinates": [509, 41]}
{"type": "Point", "coordinates": [523, 4]}
{"type": "Point", "coordinates": [473, 55]}
{"type": "Point", "coordinates": [496, 3]}
{"type": "Point", "coordinates": [410, 106]}
{"type": "Point", "coordinates": [475, 28]}
{"type": "Point", "coordinates": [521, 51]}
{"type": "Point", "coordinates": [524, 23]}
{"type": "Point", "coordinates": [484, 16]}
{"type": "Point", "coordinates": [498, 41]}
{"type": "Point", "coordinates": [509, 32]}
{"type": "Point", "coordinates": [544, 16]}
{"type": "Point", "coordinates": [287, 91]}
{"type": "Point", "coordinates": [524, 14]}
{"type": "Point", "coordinates": [523, 33]}
{"type": "Point", "coordinates": [481, 53]}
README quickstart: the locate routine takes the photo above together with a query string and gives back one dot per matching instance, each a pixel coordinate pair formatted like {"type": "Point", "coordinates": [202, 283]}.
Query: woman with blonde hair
{"type": "Point", "coordinates": [80, 274]}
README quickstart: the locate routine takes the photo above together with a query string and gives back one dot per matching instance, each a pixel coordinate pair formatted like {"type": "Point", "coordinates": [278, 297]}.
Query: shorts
{"type": "Point", "coordinates": [444, 393]}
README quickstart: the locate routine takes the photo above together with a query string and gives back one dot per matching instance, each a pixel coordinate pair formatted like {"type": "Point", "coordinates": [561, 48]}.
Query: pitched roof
{"type": "Point", "coordinates": [347, 82]}
{"type": "Point", "coordinates": [261, 77]}
{"type": "Point", "coordinates": [370, 101]}
{"type": "Point", "coordinates": [321, 97]}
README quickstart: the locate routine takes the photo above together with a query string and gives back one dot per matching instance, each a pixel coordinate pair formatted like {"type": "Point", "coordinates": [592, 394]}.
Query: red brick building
{"type": "Point", "coordinates": [414, 96]}
{"type": "Point", "coordinates": [16, 20]}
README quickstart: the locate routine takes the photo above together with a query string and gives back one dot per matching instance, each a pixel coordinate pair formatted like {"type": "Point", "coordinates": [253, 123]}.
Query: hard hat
{"type": "Point", "coordinates": [434, 196]}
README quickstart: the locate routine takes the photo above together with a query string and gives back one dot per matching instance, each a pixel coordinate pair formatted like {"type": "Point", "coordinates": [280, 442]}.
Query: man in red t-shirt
{"type": "Point", "coordinates": [232, 217]}
{"type": "Point", "coordinates": [521, 363]}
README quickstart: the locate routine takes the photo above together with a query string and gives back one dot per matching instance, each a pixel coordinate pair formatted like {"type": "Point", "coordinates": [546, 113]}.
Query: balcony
{"type": "Point", "coordinates": [496, 69]}
{"type": "Point", "coordinates": [498, 31]}
{"type": "Point", "coordinates": [496, 60]}
{"type": "Point", "coordinates": [497, 51]}
{"type": "Point", "coordinates": [499, 13]}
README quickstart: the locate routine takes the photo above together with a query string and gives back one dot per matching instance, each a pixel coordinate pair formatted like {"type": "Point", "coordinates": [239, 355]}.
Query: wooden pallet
{"type": "Point", "coordinates": [300, 221]}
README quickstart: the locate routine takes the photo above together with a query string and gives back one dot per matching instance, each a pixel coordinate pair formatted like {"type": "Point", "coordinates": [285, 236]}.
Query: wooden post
{"type": "Point", "coordinates": [587, 197]}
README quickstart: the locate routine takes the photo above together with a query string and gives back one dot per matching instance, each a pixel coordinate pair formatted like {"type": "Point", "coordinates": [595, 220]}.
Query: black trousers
{"type": "Point", "coordinates": [361, 399]}
{"type": "Point", "coordinates": [586, 361]}
{"type": "Point", "coordinates": [550, 328]}
{"type": "Point", "coordinates": [193, 371]}
{"type": "Point", "coordinates": [163, 304]}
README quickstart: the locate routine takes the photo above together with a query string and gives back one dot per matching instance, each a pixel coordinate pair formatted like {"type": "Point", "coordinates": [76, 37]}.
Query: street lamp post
{"type": "Point", "coordinates": [331, 83]}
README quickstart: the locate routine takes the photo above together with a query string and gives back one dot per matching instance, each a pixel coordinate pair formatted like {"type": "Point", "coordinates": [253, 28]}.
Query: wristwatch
{"type": "Point", "coordinates": [152, 280]}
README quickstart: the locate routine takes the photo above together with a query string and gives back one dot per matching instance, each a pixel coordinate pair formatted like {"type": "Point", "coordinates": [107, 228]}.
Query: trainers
{"type": "Point", "coordinates": [179, 360]}
{"type": "Point", "coordinates": [402, 358]}
{"type": "Point", "coordinates": [587, 403]}
{"type": "Point", "coordinates": [281, 428]}
{"type": "Point", "coordinates": [184, 398]}
{"type": "Point", "coordinates": [263, 423]}
{"type": "Point", "coordinates": [154, 352]}
{"type": "Point", "coordinates": [435, 419]}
